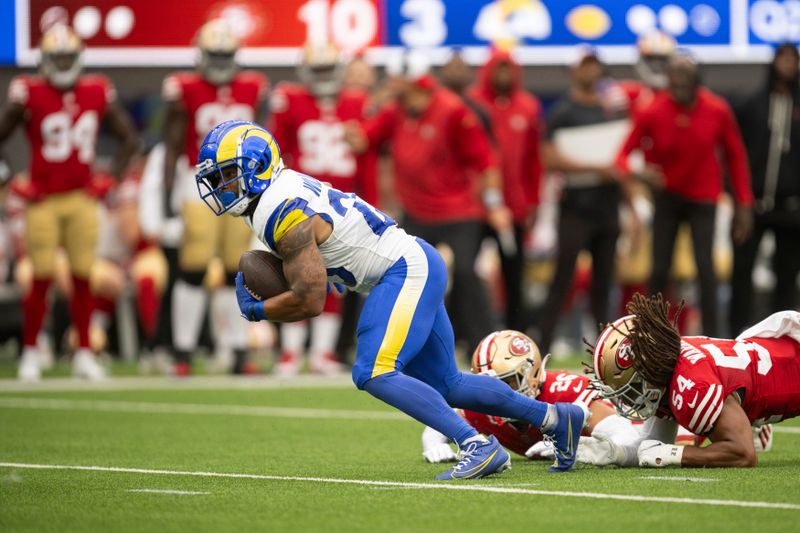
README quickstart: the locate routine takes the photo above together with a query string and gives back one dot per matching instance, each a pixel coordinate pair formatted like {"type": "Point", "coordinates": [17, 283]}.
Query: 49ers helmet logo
{"type": "Point", "coordinates": [519, 346]}
{"type": "Point", "coordinates": [624, 356]}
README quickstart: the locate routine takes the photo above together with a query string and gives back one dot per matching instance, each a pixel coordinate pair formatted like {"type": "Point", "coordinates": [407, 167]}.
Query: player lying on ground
{"type": "Point", "coordinates": [607, 438]}
{"type": "Point", "coordinates": [714, 387]}
{"type": "Point", "coordinates": [405, 348]}
{"type": "Point", "coordinates": [514, 358]}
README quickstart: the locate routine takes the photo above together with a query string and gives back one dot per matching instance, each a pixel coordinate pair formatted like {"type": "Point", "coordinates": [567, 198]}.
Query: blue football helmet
{"type": "Point", "coordinates": [237, 161]}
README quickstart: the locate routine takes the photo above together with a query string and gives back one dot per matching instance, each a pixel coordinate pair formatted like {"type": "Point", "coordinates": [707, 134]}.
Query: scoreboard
{"type": "Point", "coordinates": [160, 32]}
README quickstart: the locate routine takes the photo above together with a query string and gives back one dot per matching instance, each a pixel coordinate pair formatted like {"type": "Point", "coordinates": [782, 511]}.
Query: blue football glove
{"type": "Point", "coordinates": [251, 308]}
{"type": "Point", "coordinates": [335, 287]}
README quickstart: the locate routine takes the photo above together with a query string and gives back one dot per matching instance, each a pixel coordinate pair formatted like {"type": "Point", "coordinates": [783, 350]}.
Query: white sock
{"type": "Point", "coordinates": [550, 418]}
{"type": "Point", "coordinates": [324, 334]}
{"type": "Point", "coordinates": [188, 310]}
{"type": "Point", "coordinates": [477, 438]}
{"type": "Point", "coordinates": [293, 336]}
{"type": "Point", "coordinates": [230, 329]}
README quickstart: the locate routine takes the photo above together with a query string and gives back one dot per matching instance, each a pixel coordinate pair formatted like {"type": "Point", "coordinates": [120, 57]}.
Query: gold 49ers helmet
{"type": "Point", "coordinates": [217, 45]}
{"type": "Point", "coordinates": [512, 357]}
{"type": "Point", "coordinates": [615, 377]}
{"type": "Point", "coordinates": [61, 56]}
{"type": "Point", "coordinates": [321, 69]}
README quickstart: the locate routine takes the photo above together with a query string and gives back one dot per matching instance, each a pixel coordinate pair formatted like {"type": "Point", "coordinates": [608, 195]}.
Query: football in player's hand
{"type": "Point", "coordinates": [263, 274]}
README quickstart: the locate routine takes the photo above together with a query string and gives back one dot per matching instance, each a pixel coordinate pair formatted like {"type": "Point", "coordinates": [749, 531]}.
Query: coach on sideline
{"type": "Point", "coordinates": [682, 130]}
{"type": "Point", "coordinates": [446, 177]}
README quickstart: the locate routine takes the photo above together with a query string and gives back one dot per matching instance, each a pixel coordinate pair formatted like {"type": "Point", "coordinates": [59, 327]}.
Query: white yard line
{"type": "Point", "coordinates": [186, 383]}
{"type": "Point", "coordinates": [679, 478]}
{"type": "Point", "coordinates": [169, 491]}
{"type": "Point", "coordinates": [197, 409]}
{"type": "Point", "coordinates": [458, 486]}
{"type": "Point", "coordinates": [786, 429]}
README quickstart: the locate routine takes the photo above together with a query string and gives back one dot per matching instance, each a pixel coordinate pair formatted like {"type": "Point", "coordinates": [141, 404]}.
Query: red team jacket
{"type": "Point", "coordinates": [209, 104]}
{"type": "Point", "coordinates": [559, 386]}
{"type": "Point", "coordinates": [437, 157]}
{"type": "Point", "coordinates": [517, 128]}
{"type": "Point", "coordinates": [766, 373]}
{"type": "Point", "coordinates": [311, 137]}
{"type": "Point", "coordinates": [62, 128]}
{"type": "Point", "coordinates": [684, 143]}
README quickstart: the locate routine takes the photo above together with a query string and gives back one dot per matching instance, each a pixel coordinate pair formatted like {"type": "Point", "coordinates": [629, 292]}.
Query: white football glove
{"type": "Point", "coordinates": [656, 454]}
{"type": "Point", "coordinates": [762, 438]}
{"type": "Point", "coordinates": [542, 450]}
{"type": "Point", "coordinates": [436, 447]}
{"type": "Point", "coordinates": [591, 451]}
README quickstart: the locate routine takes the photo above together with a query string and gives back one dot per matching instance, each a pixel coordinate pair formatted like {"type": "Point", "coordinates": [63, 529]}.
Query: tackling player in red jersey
{"type": "Point", "coordinates": [515, 359]}
{"type": "Point", "coordinates": [307, 121]}
{"type": "Point", "coordinates": [196, 102]}
{"type": "Point", "coordinates": [62, 111]}
{"type": "Point", "coordinates": [714, 387]}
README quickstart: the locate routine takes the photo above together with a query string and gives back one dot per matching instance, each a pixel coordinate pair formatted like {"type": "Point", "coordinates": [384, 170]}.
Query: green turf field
{"type": "Point", "coordinates": [278, 435]}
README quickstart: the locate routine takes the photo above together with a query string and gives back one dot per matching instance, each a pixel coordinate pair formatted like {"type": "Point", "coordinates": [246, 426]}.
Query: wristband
{"type": "Point", "coordinates": [256, 312]}
{"type": "Point", "coordinates": [492, 198]}
{"type": "Point", "coordinates": [673, 455]}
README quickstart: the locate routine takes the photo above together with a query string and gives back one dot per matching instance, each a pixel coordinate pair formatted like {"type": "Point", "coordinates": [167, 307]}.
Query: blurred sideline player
{"type": "Point", "coordinates": [655, 49]}
{"type": "Point", "coordinates": [405, 353]}
{"type": "Point", "coordinates": [719, 388]}
{"type": "Point", "coordinates": [124, 256]}
{"type": "Point", "coordinates": [515, 359]}
{"type": "Point", "coordinates": [307, 120]}
{"type": "Point", "coordinates": [197, 101]}
{"type": "Point", "coordinates": [62, 111]}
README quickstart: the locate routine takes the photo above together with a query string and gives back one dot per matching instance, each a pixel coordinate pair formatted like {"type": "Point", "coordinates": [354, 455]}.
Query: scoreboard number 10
{"type": "Point", "coordinates": [349, 24]}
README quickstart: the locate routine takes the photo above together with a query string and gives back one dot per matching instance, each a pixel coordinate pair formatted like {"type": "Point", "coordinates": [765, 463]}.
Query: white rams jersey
{"type": "Point", "coordinates": [364, 244]}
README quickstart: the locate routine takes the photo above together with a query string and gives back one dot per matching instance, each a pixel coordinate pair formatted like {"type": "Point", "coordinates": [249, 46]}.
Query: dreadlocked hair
{"type": "Point", "coordinates": [654, 338]}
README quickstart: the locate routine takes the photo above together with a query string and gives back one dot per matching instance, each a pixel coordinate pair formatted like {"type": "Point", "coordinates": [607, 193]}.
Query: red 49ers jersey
{"type": "Point", "coordinates": [766, 371]}
{"type": "Point", "coordinates": [310, 134]}
{"type": "Point", "coordinates": [559, 386]}
{"type": "Point", "coordinates": [62, 128]}
{"type": "Point", "coordinates": [209, 105]}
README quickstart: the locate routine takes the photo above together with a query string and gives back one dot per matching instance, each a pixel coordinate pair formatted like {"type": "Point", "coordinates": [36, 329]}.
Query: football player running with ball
{"type": "Point", "coordinates": [714, 387]}
{"type": "Point", "coordinates": [405, 347]}
{"type": "Point", "coordinates": [512, 357]}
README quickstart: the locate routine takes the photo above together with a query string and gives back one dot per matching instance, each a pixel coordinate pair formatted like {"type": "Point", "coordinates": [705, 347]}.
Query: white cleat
{"type": "Point", "coordinates": [288, 366]}
{"type": "Point", "coordinates": [326, 365]}
{"type": "Point", "coordinates": [85, 365]}
{"type": "Point", "coordinates": [30, 369]}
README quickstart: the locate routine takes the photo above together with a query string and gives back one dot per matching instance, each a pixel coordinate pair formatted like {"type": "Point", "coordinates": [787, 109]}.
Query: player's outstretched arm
{"type": "Point", "coordinates": [731, 441]}
{"type": "Point", "coordinates": [304, 270]}
{"type": "Point", "coordinates": [731, 447]}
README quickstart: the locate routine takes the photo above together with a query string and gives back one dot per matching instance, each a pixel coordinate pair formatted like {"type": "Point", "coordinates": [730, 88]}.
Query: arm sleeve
{"type": "Point", "coordinates": [737, 159]}
{"type": "Point", "coordinates": [471, 141]}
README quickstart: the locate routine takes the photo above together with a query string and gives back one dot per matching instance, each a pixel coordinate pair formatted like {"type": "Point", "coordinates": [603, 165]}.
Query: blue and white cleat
{"type": "Point", "coordinates": [566, 434]}
{"type": "Point", "coordinates": [480, 458]}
